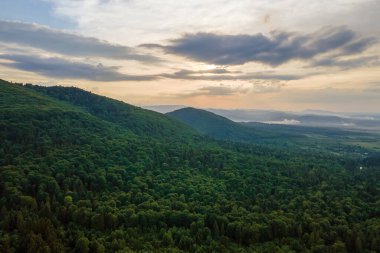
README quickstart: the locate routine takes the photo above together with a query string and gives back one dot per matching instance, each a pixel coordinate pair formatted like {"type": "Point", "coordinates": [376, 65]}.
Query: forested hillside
{"type": "Point", "coordinates": [138, 120]}
{"type": "Point", "coordinates": [313, 139]}
{"type": "Point", "coordinates": [84, 173]}
{"type": "Point", "coordinates": [214, 125]}
{"type": "Point", "coordinates": [221, 128]}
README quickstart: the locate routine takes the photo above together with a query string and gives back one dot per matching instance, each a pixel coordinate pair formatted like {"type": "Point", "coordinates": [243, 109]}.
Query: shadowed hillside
{"type": "Point", "coordinates": [218, 127]}
{"type": "Point", "coordinates": [138, 120]}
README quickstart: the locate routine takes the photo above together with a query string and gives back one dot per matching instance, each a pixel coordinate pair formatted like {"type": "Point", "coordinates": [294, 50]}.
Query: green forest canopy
{"type": "Point", "coordinates": [84, 173]}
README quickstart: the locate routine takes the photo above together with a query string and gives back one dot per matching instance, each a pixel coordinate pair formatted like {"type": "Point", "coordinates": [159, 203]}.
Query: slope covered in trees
{"type": "Point", "coordinates": [220, 127]}
{"type": "Point", "coordinates": [276, 135]}
{"type": "Point", "coordinates": [74, 178]}
{"type": "Point", "coordinates": [138, 120]}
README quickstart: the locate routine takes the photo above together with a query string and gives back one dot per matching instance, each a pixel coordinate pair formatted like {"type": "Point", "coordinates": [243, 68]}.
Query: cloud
{"type": "Point", "coordinates": [62, 68]}
{"type": "Point", "coordinates": [349, 97]}
{"type": "Point", "coordinates": [259, 86]}
{"type": "Point", "coordinates": [121, 19]}
{"type": "Point", "coordinates": [185, 72]}
{"type": "Point", "coordinates": [284, 122]}
{"type": "Point", "coordinates": [347, 64]}
{"type": "Point", "coordinates": [273, 50]}
{"type": "Point", "coordinates": [358, 46]}
{"type": "Point", "coordinates": [374, 88]}
{"type": "Point", "coordinates": [221, 90]}
{"type": "Point", "coordinates": [266, 86]}
{"type": "Point", "coordinates": [226, 75]}
{"type": "Point", "coordinates": [41, 37]}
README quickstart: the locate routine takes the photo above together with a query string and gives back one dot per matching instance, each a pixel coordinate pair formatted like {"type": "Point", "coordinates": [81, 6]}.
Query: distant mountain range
{"type": "Point", "coordinates": [275, 135]}
{"type": "Point", "coordinates": [310, 118]}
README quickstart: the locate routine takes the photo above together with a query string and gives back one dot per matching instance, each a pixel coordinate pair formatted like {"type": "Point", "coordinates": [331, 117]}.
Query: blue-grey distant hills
{"type": "Point", "coordinates": [309, 118]}
{"type": "Point", "coordinates": [279, 135]}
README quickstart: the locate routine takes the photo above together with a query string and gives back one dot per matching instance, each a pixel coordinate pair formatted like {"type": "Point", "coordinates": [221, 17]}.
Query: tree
{"type": "Point", "coordinates": [339, 247]}
{"type": "Point", "coordinates": [68, 200]}
{"type": "Point", "coordinates": [167, 239]}
{"type": "Point", "coordinates": [82, 245]}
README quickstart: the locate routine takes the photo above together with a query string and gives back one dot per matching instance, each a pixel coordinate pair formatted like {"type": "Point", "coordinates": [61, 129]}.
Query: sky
{"type": "Point", "coordinates": [251, 54]}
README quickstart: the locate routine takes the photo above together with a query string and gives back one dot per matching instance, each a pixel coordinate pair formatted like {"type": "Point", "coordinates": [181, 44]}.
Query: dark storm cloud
{"type": "Point", "coordinates": [47, 39]}
{"type": "Point", "coordinates": [274, 50]}
{"type": "Point", "coordinates": [61, 68]}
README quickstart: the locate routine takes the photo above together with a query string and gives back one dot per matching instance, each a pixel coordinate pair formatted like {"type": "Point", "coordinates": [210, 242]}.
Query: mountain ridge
{"type": "Point", "coordinates": [136, 119]}
{"type": "Point", "coordinates": [214, 125]}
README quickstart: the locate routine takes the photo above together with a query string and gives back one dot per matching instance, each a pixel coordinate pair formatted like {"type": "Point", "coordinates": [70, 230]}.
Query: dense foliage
{"type": "Point", "coordinates": [220, 127]}
{"type": "Point", "coordinates": [277, 135]}
{"type": "Point", "coordinates": [77, 176]}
